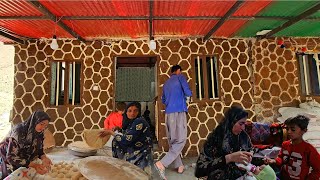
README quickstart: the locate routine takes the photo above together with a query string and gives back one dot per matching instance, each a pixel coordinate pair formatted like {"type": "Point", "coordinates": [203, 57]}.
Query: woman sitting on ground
{"type": "Point", "coordinates": [134, 143]}
{"type": "Point", "coordinates": [23, 144]}
{"type": "Point", "coordinates": [226, 145]}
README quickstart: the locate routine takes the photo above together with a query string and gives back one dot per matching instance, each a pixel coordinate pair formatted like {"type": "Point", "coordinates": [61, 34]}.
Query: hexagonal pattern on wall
{"type": "Point", "coordinates": [271, 70]}
{"type": "Point", "coordinates": [32, 83]}
{"type": "Point", "coordinates": [276, 76]}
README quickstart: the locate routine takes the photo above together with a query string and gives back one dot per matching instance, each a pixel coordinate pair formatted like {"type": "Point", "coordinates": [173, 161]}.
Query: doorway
{"type": "Point", "coordinates": [135, 80]}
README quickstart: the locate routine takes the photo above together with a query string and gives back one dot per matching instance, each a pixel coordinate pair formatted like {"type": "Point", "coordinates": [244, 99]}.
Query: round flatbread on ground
{"type": "Point", "coordinates": [102, 167]}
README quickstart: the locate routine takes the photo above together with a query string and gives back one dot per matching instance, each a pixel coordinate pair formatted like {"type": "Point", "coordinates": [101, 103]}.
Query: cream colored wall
{"type": "Point", "coordinates": [6, 86]}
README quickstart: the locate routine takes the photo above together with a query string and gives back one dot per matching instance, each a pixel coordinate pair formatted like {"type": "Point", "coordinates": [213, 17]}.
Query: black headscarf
{"type": "Point", "coordinates": [24, 133]}
{"type": "Point", "coordinates": [221, 142]}
{"type": "Point", "coordinates": [126, 121]}
{"type": "Point", "coordinates": [223, 137]}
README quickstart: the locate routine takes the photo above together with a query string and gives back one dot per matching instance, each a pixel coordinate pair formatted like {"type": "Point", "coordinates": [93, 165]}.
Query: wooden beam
{"type": "Point", "coordinates": [172, 17]}
{"type": "Point", "coordinates": [15, 39]}
{"type": "Point", "coordinates": [224, 18]}
{"type": "Point", "coordinates": [52, 17]}
{"type": "Point", "coordinates": [294, 20]}
{"type": "Point", "coordinates": [154, 18]}
{"type": "Point", "coordinates": [150, 20]}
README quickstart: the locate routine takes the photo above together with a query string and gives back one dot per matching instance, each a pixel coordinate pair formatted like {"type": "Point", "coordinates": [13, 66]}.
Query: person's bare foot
{"type": "Point", "coordinates": [160, 165]}
{"type": "Point", "coordinates": [181, 169]}
{"type": "Point", "coordinates": [160, 169]}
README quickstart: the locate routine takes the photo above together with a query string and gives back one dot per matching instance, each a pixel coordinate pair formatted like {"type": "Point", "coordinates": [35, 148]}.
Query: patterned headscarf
{"type": "Point", "coordinates": [25, 132]}
{"type": "Point", "coordinates": [126, 121]}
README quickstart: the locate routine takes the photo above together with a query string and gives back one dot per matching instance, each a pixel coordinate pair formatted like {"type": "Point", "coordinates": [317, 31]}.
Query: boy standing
{"type": "Point", "coordinates": [297, 156]}
{"type": "Point", "coordinates": [115, 118]}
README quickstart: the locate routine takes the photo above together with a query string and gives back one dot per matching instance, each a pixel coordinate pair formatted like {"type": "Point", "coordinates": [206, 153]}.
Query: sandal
{"type": "Point", "coordinates": [160, 172]}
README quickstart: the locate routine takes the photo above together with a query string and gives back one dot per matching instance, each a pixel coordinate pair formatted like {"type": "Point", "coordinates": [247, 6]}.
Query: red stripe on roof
{"type": "Point", "coordinates": [229, 28]}
{"type": "Point", "coordinates": [108, 28]}
{"type": "Point", "coordinates": [183, 27]}
{"type": "Point", "coordinates": [192, 8]}
{"type": "Point", "coordinates": [34, 28]}
{"type": "Point", "coordinates": [18, 8]}
{"type": "Point", "coordinates": [97, 8]}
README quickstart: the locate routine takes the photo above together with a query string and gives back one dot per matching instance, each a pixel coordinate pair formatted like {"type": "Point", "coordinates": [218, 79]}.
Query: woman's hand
{"type": "Point", "coordinates": [116, 128]}
{"type": "Point", "coordinates": [46, 161]}
{"type": "Point", "coordinates": [243, 157]}
{"type": "Point", "coordinates": [41, 169]}
{"type": "Point", "coordinates": [269, 161]}
{"type": "Point", "coordinates": [106, 132]}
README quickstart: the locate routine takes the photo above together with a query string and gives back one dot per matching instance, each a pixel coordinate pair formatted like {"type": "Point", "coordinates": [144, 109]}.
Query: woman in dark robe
{"type": "Point", "coordinates": [226, 145]}
{"type": "Point", "coordinates": [23, 144]}
{"type": "Point", "coordinates": [134, 143]}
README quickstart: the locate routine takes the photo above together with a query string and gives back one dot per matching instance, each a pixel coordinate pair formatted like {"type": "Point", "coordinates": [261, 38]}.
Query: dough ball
{"type": "Point", "coordinates": [74, 169]}
{"type": "Point", "coordinates": [60, 175]}
{"type": "Point", "coordinates": [76, 176]}
{"type": "Point", "coordinates": [69, 175]}
{"type": "Point", "coordinates": [62, 171]}
{"type": "Point", "coordinates": [53, 174]}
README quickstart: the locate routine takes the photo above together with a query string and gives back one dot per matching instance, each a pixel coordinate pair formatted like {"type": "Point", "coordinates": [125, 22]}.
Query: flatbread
{"type": "Point", "coordinates": [80, 146]}
{"type": "Point", "coordinates": [102, 167]}
{"type": "Point", "coordinates": [48, 141]}
{"type": "Point", "coordinates": [91, 137]}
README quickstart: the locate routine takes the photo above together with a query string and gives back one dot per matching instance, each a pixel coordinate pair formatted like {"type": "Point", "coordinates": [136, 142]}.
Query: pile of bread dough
{"type": "Point", "coordinates": [64, 171]}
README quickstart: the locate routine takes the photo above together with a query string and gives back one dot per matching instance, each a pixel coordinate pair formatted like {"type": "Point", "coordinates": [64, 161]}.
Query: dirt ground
{"type": "Point", "coordinates": [6, 86]}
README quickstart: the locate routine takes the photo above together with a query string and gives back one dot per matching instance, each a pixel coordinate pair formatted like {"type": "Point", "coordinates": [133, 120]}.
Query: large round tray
{"type": "Point", "coordinates": [102, 167]}
{"type": "Point", "coordinates": [81, 149]}
{"type": "Point", "coordinates": [80, 146]}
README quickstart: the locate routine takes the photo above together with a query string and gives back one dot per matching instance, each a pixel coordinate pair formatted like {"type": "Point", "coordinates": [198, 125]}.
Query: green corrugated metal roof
{"type": "Point", "coordinates": [301, 28]}
{"type": "Point", "coordinates": [283, 9]}
{"type": "Point", "coordinates": [252, 27]}
{"type": "Point", "coordinates": [316, 15]}
{"type": "Point", "coordinates": [287, 8]}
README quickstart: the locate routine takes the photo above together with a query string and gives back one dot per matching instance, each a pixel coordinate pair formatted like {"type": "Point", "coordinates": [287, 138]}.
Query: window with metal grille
{"type": "Point", "coordinates": [309, 66]}
{"type": "Point", "coordinates": [65, 83]}
{"type": "Point", "coordinates": [206, 77]}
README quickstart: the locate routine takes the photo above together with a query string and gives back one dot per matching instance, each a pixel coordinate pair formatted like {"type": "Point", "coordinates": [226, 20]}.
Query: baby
{"type": "Point", "coordinates": [259, 172]}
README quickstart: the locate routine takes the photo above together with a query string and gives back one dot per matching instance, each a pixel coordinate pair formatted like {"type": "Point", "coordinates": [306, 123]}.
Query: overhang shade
{"type": "Point", "coordinates": [120, 19]}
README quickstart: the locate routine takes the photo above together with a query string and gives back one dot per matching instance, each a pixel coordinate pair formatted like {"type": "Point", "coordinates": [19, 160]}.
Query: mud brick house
{"type": "Point", "coordinates": [261, 55]}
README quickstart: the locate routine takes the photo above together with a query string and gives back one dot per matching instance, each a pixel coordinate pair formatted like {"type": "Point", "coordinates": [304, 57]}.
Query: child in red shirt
{"type": "Point", "coordinates": [115, 118]}
{"type": "Point", "coordinates": [297, 156]}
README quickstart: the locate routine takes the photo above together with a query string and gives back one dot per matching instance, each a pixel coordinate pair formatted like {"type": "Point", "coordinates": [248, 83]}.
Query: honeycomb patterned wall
{"type": "Point", "coordinates": [235, 76]}
{"type": "Point", "coordinates": [276, 81]}
{"type": "Point", "coordinates": [241, 65]}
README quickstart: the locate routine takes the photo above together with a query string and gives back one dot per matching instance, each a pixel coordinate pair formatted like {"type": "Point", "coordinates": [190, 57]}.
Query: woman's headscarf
{"type": "Point", "coordinates": [223, 137]}
{"type": "Point", "coordinates": [25, 132]}
{"type": "Point", "coordinates": [126, 121]}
